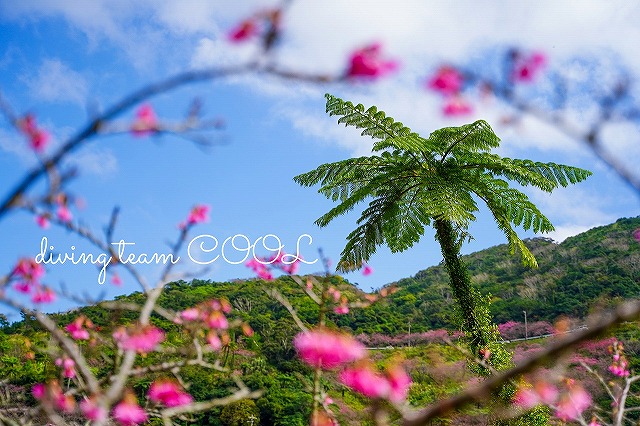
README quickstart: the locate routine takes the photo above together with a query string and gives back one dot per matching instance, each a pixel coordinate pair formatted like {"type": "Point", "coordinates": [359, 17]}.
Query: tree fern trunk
{"type": "Point", "coordinates": [476, 321]}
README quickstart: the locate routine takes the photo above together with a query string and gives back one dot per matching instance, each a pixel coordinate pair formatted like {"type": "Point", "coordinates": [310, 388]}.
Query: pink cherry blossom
{"type": "Point", "coordinates": [214, 341]}
{"type": "Point", "coordinates": [169, 393]}
{"type": "Point", "coordinates": [43, 294]}
{"type": "Point", "coordinates": [447, 81]}
{"type": "Point", "coordinates": [526, 398]}
{"type": "Point", "coordinates": [367, 270]}
{"type": "Point", "coordinates": [146, 122]}
{"type": "Point", "coordinates": [38, 138]}
{"type": "Point", "coordinates": [128, 412]}
{"type": "Point", "coordinates": [456, 105]}
{"type": "Point", "coordinates": [367, 62]}
{"type": "Point", "coordinates": [116, 280]}
{"type": "Point", "coordinates": [51, 394]}
{"type": "Point", "coordinates": [190, 314]}
{"type": "Point", "coordinates": [92, 411]}
{"type": "Point", "coordinates": [260, 269]}
{"type": "Point", "coordinates": [68, 366]}
{"type": "Point", "coordinates": [399, 382]}
{"type": "Point", "coordinates": [38, 391]}
{"type": "Point", "coordinates": [527, 68]}
{"type": "Point", "coordinates": [217, 321]}
{"type": "Point", "coordinates": [28, 270]}
{"type": "Point", "coordinates": [328, 349]}
{"type": "Point", "coordinates": [23, 287]}
{"type": "Point", "coordinates": [636, 235]}
{"type": "Point", "coordinates": [43, 220]}
{"type": "Point", "coordinates": [571, 406]}
{"type": "Point", "coordinates": [244, 31]}
{"type": "Point", "coordinates": [341, 309]}
{"type": "Point", "coordinates": [365, 380]}
{"type": "Point", "coordinates": [64, 214]}
{"type": "Point", "coordinates": [142, 339]}
{"type": "Point", "coordinates": [198, 214]}
{"type": "Point", "coordinates": [76, 329]}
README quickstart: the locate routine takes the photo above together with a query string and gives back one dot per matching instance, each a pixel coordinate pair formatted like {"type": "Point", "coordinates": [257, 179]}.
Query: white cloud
{"type": "Point", "coordinates": [56, 82]}
{"type": "Point", "coordinates": [93, 160]}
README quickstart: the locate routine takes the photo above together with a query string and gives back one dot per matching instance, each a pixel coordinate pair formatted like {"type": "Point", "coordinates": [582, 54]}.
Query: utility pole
{"type": "Point", "coordinates": [526, 327]}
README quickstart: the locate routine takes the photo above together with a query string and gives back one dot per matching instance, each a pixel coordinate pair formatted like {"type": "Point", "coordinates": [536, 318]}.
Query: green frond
{"type": "Point", "coordinates": [373, 122]}
{"type": "Point", "coordinates": [474, 137]}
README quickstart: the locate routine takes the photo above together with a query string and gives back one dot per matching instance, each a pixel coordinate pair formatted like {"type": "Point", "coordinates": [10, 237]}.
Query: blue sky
{"type": "Point", "coordinates": [64, 60]}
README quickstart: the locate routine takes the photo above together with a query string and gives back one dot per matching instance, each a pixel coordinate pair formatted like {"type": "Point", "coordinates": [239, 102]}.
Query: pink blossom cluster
{"type": "Point", "coordinates": [369, 62]}
{"type": "Point", "coordinates": [619, 365]}
{"type": "Point", "coordinates": [38, 138]}
{"type": "Point", "coordinates": [198, 214]}
{"type": "Point", "coordinates": [79, 328]}
{"type": "Point", "coordinates": [568, 405]}
{"type": "Point", "coordinates": [51, 394]}
{"type": "Point", "coordinates": [526, 68]}
{"type": "Point", "coordinates": [92, 410]}
{"type": "Point", "coordinates": [636, 235]}
{"type": "Point", "coordinates": [211, 316]}
{"type": "Point", "coordinates": [168, 393]}
{"type": "Point", "coordinates": [128, 412]}
{"type": "Point", "coordinates": [342, 302]}
{"type": "Point", "coordinates": [262, 266]}
{"type": "Point", "coordinates": [449, 82]}
{"type": "Point", "coordinates": [146, 121]}
{"type": "Point", "coordinates": [28, 273]}
{"type": "Point", "coordinates": [68, 366]}
{"type": "Point", "coordinates": [142, 339]}
{"type": "Point", "coordinates": [329, 349]}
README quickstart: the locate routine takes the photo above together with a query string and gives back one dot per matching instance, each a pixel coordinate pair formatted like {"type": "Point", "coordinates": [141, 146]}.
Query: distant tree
{"type": "Point", "coordinates": [240, 413]}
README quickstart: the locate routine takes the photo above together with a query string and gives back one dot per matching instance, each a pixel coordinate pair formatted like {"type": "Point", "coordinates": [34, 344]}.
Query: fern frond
{"type": "Point", "coordinates": [474, 137]}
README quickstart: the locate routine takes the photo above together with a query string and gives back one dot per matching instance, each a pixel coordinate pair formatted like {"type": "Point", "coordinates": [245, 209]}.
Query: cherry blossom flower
{"type": "Point", "coordinates": [23, 287]}
{"type": "Point", "coordinates": [142, 339]}
{"type": "Point", "coordinates": [571, 405]}
{"type": "Point", "coordinates": [244, 31]}
{"type": "Point", "coordinates": [456, 105]}
{"type": "Point", "coordinates": [116, 280]}
{"type": "Point", "coordinates": [217, 321]}
{"type": "Point", "coordinates": [399, 382]}
{"type": "Point", "coordinates": [146, 122]}
{"type": "Point", "coordinates": [260, 270]}
{"type": "Point", "coordinates": [38, 391]}
{"type": "Point", "coordinates": [214, 341]}
{"type": "Point", "coordinates": [368, 62]}
{"type": "Point", "coordinates": [447, 81]}
{"type": "Point", "coordinates": [636, 235]}
{"type": "Point", "coordinates": [198, 214]}
{"type": "Point", "coordinates": [43, 220]}
{"type": "Point", "coordinates": [76, 329]}
{"type": "Point", "coordinates": [169, 393]}
{"type": "Point", "coordinates": [527, 68]}
{"type": "Point", "coordinates": [51, 394]}
{"type": "Point", "coordinates": [43, 294]}
{"type": "Point", "coordinates": [367, 270]}
{"type": "Point", "coordinates": [328, 349]}
{"type": "Point", "coordinates": [92, 411]}
{"type": "Point", "coordinates": [190, 314]}
{"type": "Point", "coordinates": [128, 412]}
{"type": "Point", "coordinates": [247, 330]}
{"type": "Point", "coordinates": [341, 309]}
{"type": "Point", "coordinates": [541, 393]}
{"type": "Point", "coordinates": [365, 380]}
{"type": "Point", "coordinates": [38, 138]}
{"type": "Point", "coordinates": [28, 270]}
{"type": "Point", "coordinates": [64, 214]}
{"type": "Point", "coordinates": [68, 365]}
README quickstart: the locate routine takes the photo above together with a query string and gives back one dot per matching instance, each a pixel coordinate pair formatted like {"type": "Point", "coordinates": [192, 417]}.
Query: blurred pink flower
{"type": "Point", "coordinates": [368, 62]}
{"type": "Point", "coordinates": [456, 105]}
{"type": "Point", "coordinates": [447, 81]}
{"type": "Point", "coordinates": [169, 393]}
{"type": "Point", "coordinates": [92, 411]}
{"type": "Point", "coordinates": [399, 381]}
{"type": "Point", "coordinates": [636, 235]}
{"type": "Point", "coordinates": [28, 270]}
{"type": "Point", "coordinates": [43, 220]}
{"type": "Point", "coordinates": [43, 294]}
{"type": "Point", "coordinates": [341, 309]}
{"type": "Point", "coordinates": [198, 214]}
{"type": "Point", "coordinates": [76, 329]}
{"type": "Point", "coordinates": [68, 366]}
{"type": "Point", "coordinates": [214, 341]}
{"type": "Point", "coordinates": [217, 321]}
{"type": "Point", "coordinates": [190, 314]}
{"type": "Point", "coordinates": [527, 68]}
{"type": "Point", "coordinates": [541, 393]}
{"type": "Point", "coordinates": [259, 269]}
{"type": "Point", "coordinates": [64, 214]}
{"type": "Point", "coordinates": [116, 280]}
{"type": "Point", "coordinates": [146, 122]}
{"type": "Point", "coordinates": [367, 270]}
{"type": "Point", "coordinates": [328, 349]}
{"type": "Point", "coordinates": [573, 404]}
{"type": "Point", "coordinates": [23, 287]}
{"type": "Point", "coordinates": [243, 31]}
{"type": "Point", "coordinates": [365, 380]}
{"type": "Point", "coordinates": [128, 412]}
{"type": "Point", "coordinates": [38, 138]}
{"type": "Point", "coordinates": [38, 391]}
{"type": "Point", "coordinates": [142, 339]}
